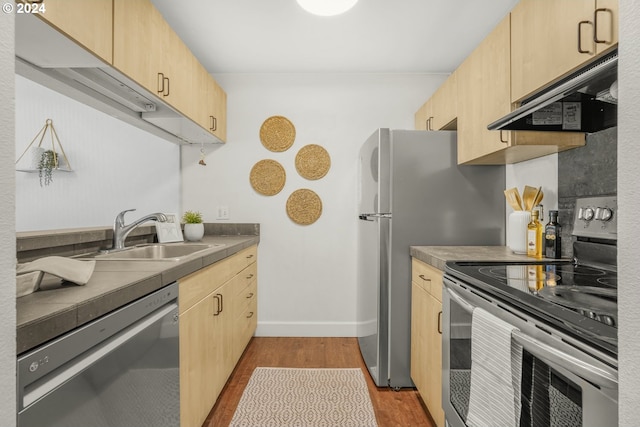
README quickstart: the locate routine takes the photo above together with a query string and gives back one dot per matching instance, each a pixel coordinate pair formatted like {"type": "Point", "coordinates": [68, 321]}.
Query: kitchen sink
{"type": "Point", "coordinates": [156, 252]}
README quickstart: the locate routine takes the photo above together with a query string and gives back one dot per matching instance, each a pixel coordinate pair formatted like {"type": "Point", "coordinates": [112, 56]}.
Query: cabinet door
{"type": "Point", "coordinates": [212, 105]}
{"type": "Point", "coordinates": [424, 116]}
{"type": "Point", "coordinates": [419, 339]}
{"type": "Point", "coordinates": [426, 350]}
{"type": "Point", "coordinates": [445, 105]}
{"type": "Point", "coordinates": [433, 345]}
{"type": "Point", "coordinates": [546, 44]}
{"type": "Point", "coordinates": [197, 362]}
{"type": "Point", "coordinates": [470, 117]}
{"type": "Point", "coordinates": [89, 23]}
{"type": "Point", "coordinates": [223, 360]}
{"type": "Point", "coordinates": [606, 25]}
{"type": "Point", "coordinates": [140, 43]}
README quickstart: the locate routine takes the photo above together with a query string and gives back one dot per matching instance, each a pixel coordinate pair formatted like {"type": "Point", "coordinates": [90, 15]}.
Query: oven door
{"type": "Point", "coordinates": [561, 385]}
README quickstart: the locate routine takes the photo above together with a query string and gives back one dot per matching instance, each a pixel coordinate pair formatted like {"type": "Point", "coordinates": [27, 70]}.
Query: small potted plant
{"type": "Point", "coordinates": [47, 163]}
{"type": "Point", "coordinates": [193, 226]}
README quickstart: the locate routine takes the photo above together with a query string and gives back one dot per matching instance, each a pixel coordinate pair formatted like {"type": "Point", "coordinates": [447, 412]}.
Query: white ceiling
{"type": "Point", "coordinates": [376, 36]}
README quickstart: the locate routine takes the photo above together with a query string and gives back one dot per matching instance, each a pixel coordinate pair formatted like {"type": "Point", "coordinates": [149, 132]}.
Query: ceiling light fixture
{"type": "Point", "coordinates": [326, 7]}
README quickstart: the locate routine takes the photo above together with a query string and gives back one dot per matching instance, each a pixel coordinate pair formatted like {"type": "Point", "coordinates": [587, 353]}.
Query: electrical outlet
{"type": "Point", "coordinates": [223, 212]}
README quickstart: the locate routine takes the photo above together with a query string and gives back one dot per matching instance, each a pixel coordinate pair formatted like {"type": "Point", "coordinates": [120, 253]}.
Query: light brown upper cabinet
{"type": "Point", "coordinates": [88, 23]}
{"type": "Point", "coordinates": [484, 96]}
{"type": "Point", "coordinates": [212, 109]}
{"type": "Point", "coordinates": [147, 50]}
{"type": "Point", "coordinates": [160, 62]}
{"type": "Point", "coordinates": [550, 39]}
{"type": "Point", "coordinates": [440, 111]}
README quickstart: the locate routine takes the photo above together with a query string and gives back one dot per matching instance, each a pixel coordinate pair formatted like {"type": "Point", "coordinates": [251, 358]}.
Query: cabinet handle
{"type": "Point", "coordinates": [250, 276]}
{"type": "Point", "coordinates": [424, 278]}
{"type": "Point", "coordinates": [580, 24]}
{"type": "Point", "coordinates": [250, 295]}
{"type": "Point", "coordinates": [168, 88]}
{"type": "Point", "coordinates": [505, 140]}
{"type": "Point", "coordinates": [160, 82]}
{"type": "Point", "coordinates": [249, 256]}
{"type": "Point", "coordinates": [250, 315]}
{"type": "Point", "coordinates": [440, 322]}
{"type": "Point", "coordinates": [595, 24]}
{"type": "Point", "coordinates": [219, 305]}
{"type": "Point", "coordinates": [214, 124]}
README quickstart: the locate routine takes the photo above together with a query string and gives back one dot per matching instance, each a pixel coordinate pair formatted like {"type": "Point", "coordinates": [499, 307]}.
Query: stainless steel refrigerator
{"type": "Point", "coordinates": [412, 193]}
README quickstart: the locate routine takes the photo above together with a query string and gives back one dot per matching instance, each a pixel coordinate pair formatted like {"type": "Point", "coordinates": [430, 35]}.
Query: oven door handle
{"type": "Point", "coordinates": [600, 376]}
{"type": "Point", "coordinates": [597, 375]}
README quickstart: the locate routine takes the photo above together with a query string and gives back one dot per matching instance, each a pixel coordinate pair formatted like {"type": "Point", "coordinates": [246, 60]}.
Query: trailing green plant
{"type": "Point", "coordinates": [47, 163]}
{"type": "Point", "coordinates": [192, 217]}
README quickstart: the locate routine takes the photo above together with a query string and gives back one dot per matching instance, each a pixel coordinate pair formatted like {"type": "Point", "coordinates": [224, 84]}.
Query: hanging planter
{"type": "Point", "coordinates": [44, 160]}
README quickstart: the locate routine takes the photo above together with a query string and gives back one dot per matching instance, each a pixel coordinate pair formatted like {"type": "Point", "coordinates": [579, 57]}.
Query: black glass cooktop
{"type": "Point", "coordinates": [581, 300]}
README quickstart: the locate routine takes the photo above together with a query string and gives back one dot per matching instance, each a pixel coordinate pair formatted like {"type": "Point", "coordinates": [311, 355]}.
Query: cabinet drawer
{"type": "Point", "coordinates": [197, 285]}
{"type": "Point", "coordinates": [247, 296]}
{"type": "Point", "coordinates": [421, 275]}
{"type": "Point", "coordinates": [247, 322]}
{"type": "Point", "coordinates": [427, 277]}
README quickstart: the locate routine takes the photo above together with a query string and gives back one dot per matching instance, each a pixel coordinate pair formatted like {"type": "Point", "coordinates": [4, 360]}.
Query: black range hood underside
{"type": "Point", "coordinates": [582, 102]}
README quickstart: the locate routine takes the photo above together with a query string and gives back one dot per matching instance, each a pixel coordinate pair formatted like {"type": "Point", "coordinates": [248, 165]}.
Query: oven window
{"type": "Point", "coordinates": [548, 398]}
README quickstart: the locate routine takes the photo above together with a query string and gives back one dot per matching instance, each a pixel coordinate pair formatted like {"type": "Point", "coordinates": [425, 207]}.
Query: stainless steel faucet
{"type": "Point", "coordinates": [120, 231]}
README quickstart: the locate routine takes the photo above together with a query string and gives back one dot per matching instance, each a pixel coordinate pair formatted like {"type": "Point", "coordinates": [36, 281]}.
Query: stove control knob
{"type": "Point", "coordinates": [606, 214]}
{"type": "Point", "coordinates": [588, 214]}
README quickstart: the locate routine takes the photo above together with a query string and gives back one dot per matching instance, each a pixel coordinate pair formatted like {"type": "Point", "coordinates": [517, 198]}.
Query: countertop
{"type": "Point", "coordinates": [58, 309]}
{"type": "Point", "coordinates": [437, 256]}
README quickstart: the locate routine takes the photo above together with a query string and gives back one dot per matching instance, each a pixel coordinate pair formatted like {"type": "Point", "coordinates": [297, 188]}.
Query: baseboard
{"type": "Point", "coordinates": [306, 329]}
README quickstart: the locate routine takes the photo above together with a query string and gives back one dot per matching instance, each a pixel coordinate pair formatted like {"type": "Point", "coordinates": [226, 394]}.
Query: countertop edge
{"type": "Point", "coordinates": [438, 256]}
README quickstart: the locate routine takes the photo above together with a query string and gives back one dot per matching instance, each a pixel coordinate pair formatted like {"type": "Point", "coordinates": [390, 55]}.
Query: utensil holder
{"type": "Point", "coordinates": [517, 231]}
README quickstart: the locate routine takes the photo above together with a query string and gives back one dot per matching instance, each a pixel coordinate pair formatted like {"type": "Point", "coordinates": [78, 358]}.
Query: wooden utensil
{"type": "Point", "coordinates": [528, 197]}
{"type": "Point", "coordinates": [513, 198]}
{"type": "Point", "coordinates": [537, 198]}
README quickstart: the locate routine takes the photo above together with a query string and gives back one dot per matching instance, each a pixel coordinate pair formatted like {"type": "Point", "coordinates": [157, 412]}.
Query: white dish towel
{"type": "Point", "coordinates": [496, 370]}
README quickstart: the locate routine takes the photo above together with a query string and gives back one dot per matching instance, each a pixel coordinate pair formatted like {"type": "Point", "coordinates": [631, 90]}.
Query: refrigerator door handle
{"type": "Point", "coordinates": [367, 217]}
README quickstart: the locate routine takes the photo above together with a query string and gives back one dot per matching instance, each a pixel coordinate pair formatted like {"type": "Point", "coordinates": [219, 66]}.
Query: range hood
{"type": "Point", "coordinates": [47, 57]}
{"type": "Point", "coordinates": [585, 101]}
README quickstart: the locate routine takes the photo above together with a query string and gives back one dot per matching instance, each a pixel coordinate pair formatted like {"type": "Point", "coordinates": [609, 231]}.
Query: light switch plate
{"type": "Point", "coordinates": [223, 212]}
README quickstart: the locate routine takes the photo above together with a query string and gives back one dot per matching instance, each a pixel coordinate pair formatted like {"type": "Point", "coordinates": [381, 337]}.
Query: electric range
{"type": "Point", "coordinates": [577, 296]}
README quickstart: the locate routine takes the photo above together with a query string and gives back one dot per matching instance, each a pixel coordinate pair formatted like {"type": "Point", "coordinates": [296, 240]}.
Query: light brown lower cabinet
{"type": "Point", "coordinates": [218, 317]}
{"type": "Point", "coordinates": [426, 336]}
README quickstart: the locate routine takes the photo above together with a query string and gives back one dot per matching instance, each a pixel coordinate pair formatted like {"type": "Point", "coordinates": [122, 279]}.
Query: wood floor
{"type": "Point", "coordinates": [393, 408]}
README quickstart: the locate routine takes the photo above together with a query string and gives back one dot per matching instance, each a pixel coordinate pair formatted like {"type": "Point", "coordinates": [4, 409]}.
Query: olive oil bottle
{"type": "Point", "coordinates": [552, 239]}
{"type": "Point", "coordinates": [534, 236]}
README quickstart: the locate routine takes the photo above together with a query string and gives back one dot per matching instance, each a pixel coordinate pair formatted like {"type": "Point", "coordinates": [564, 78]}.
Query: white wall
{"type": "Point", "coordinates": [542, 171]}
{"type": "Point", "coordinates": [116, 166]}
{"type": "Point", "coordinates": [307, 274]}
{"type": "Point", "coordinates": [7, 222]}
{"type": "Point", "coordinates": [629, 204]}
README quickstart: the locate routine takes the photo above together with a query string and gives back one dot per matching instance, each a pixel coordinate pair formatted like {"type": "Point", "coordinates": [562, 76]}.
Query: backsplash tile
{"type": "Point", "coordinates": [584, 172]}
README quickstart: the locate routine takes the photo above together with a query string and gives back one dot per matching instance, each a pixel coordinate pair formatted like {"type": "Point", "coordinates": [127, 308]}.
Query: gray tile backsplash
{"type": "Point", "coordinates": [584, 172]}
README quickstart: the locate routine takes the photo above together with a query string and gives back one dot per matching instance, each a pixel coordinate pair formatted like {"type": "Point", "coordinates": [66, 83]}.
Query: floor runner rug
{"type": "Point", "coordinates": [287, 397]}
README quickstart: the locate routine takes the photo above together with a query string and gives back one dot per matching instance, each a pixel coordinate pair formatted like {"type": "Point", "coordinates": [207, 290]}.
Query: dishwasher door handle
{"type": "Point", "coordinates": [84, 361]}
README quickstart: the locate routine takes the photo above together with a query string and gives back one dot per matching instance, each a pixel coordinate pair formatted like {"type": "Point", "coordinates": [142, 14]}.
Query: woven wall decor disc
{"type": "Point", "coordinates": [267, 177]}
{"type": "Point", "coordinates": [313, 161]}
{"type": "Point", "coordinates": [277, 133]}
{"type": "Point", "coordinates": [304, 207]}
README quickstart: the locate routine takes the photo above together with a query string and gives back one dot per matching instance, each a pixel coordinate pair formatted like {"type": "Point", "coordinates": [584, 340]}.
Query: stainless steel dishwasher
{"type": "Point", "coordinates": [119, 370]}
